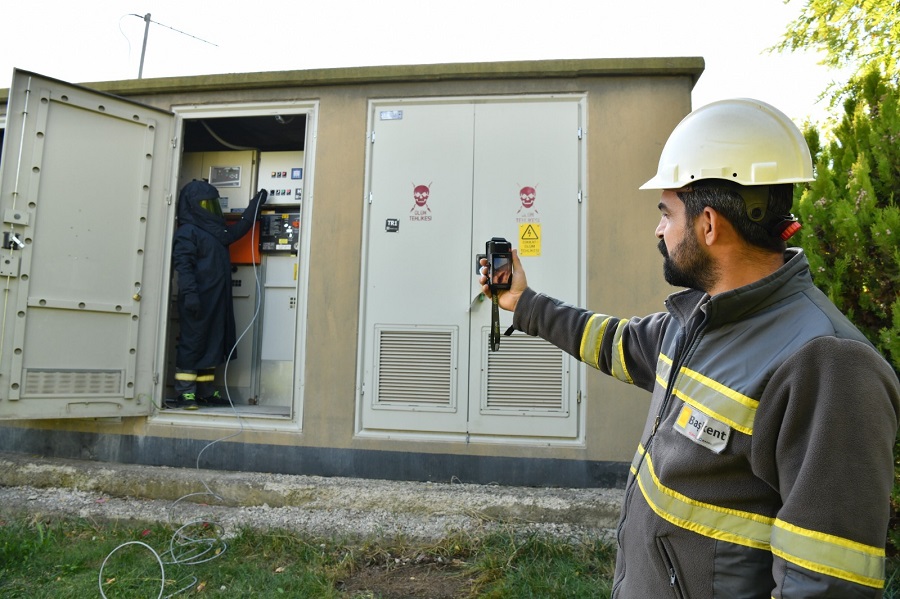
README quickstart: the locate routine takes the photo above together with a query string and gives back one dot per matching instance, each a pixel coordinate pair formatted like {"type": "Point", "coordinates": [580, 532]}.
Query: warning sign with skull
{"type": "Point", "coordinates": [527, 212]}
{"type": "Point", "coordinates": [420, 211]}
{"type": "Point", "coordinates": [529, 220]}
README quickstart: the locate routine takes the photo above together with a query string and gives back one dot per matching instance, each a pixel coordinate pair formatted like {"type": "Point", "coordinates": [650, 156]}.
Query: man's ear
{"type": "Point", "coordinates": [710, 225]}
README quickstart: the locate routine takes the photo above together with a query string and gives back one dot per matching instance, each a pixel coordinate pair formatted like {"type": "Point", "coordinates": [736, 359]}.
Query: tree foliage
{"type": "Point", "coordinates": [855, 34]}
{"type": "Point", "coordinates": [851, 209]}
{"type": "Point", "coordinates": [851, 216]}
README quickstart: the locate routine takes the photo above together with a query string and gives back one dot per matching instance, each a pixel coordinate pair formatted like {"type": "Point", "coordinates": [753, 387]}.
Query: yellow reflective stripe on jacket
{"type": "Point", "coordinates": [618, 369]}
{"type": "Point", "coordinates": [815, 551]}
{"type": "Point", "coordinates": [185, 376]}
{"type": "Point", "coordinates": [591, 339]}
{"type": "Point", "coordinates": [663, 368]}
{"type": "Point", "coordinates": [717, 400]}
{"type": "Point", "coordinates": [724, 524]}
{"type": "Point", "coordinates": [710, 397]}
{"type": "Point", "coordinates": [206, 377]}
{"type": "Point", "coordinates": [828, 554]}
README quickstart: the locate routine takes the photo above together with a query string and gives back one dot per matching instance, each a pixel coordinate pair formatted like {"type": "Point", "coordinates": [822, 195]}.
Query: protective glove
{"type": "Point", "coordinates": [258, 200]}
{"type": "Point", "coordinates": [192, 304]}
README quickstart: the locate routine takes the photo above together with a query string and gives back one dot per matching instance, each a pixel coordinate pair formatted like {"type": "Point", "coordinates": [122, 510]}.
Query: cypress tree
{"type": "Point", "coordinates": [850, 213]}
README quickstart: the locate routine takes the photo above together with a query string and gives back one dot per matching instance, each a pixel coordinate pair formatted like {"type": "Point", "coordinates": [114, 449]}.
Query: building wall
{"type": "Point", "coordinates": [631, 111]}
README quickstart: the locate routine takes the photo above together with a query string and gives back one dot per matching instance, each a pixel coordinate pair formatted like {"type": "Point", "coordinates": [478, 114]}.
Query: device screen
{"type": "Point", "coordinates": [501, 269]}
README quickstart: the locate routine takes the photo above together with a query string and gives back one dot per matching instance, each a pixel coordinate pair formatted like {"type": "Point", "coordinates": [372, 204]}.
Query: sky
{"type": "Point", "coordinates": [83, 41]}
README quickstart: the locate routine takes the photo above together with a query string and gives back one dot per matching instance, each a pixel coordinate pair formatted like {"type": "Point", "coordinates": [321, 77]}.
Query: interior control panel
{"type": "Point", "coordinates": [279, 232]}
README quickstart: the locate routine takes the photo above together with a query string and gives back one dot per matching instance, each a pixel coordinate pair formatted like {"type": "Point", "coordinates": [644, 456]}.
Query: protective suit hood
{"type": "Point", "coordinates": [191, 212]}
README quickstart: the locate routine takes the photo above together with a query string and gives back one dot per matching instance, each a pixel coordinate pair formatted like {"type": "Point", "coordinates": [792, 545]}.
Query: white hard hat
{"type": "Point", "coordinates": [742, 140]}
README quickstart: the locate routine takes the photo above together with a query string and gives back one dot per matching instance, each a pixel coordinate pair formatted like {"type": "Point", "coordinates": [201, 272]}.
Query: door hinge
{"type": "Point", "coordinates": [155, 378]}
{"type": "Point", "coordinates": [578, 400]}
{"type": "Point", "coordinates": [169, 199]}
{"type": "Point", "coordinates": [370, 197]}
{"type": "Point", "coordinates": [580, 133]}
{"type": "Point", "coordinates": [580, 196]}
{"type": "Point", "coordinates": [10, 265]}
{"type": "Point", "coordinates": [174, 142]}
{"type": "Point", "coordinates": [371, 137]}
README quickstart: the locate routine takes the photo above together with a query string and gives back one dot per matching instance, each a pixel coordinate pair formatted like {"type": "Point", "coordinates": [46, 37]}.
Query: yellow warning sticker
{"type": "Point", "coordinates": [529, 239]}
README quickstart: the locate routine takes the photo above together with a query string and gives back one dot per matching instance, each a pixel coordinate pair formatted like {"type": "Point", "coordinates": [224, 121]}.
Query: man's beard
{"type": "Point", "coordinates": [695, 268]}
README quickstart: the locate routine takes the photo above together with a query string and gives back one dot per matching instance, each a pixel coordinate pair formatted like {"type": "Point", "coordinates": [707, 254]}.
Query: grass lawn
{"type": "Point", "coordinates": [41, 557]}
{"type": "Point", "coordinates": [50, 558]}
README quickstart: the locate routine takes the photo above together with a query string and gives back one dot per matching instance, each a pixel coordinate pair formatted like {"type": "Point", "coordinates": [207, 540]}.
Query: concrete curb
{"type": "Point", "coordinates": [585, 509]}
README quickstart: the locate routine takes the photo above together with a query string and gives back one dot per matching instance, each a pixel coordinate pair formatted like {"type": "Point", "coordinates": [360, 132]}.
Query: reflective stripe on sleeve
{"type": "Point", "coordinates": [829, 554]}
{"type": "Point", "coordinates": [591, 339]}
{"type": "Point", "coordinates": [619, 370]}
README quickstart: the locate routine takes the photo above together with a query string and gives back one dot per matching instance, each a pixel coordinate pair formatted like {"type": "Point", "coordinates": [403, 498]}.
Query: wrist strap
{"type": "Point", "coordinates": [495, 323]}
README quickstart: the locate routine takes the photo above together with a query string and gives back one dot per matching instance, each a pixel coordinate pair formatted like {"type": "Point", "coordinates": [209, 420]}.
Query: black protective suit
{"type": "Point", "coordinates": [202, 261]}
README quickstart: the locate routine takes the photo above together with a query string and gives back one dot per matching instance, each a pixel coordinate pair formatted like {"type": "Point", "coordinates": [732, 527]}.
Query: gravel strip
{"type": "Point", "coordinates": [318, 506]}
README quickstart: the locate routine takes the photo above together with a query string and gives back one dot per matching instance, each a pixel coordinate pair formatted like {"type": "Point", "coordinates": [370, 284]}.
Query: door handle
{"type": "Point", "coordinates": [478, 298]}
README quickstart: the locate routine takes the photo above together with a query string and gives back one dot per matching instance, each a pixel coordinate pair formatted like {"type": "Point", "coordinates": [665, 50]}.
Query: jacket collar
{"type": "Point", "coordinates": [739, 303]}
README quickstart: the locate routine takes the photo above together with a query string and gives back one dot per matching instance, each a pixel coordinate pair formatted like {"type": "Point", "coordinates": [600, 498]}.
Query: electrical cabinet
{"type": "Point", "coordinates": [444, 178]}
{"type": "Point", "coordinates": [279, 317]}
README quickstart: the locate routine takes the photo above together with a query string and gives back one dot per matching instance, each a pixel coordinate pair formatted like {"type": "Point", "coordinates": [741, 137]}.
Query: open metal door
{"type": "Point", "coordinates": [86, 209]}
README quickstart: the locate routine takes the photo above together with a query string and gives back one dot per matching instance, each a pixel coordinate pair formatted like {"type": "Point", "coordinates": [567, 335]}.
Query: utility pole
{"type": "Point", "coordinates": [144, 48]}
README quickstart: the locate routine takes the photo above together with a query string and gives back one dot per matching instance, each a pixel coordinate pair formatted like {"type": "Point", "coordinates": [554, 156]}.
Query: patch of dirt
{"type": "Point", "coordinates": [408, 581]}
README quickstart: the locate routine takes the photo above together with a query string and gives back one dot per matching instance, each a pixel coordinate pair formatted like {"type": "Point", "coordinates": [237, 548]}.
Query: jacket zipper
{"type": "Point", "coordinates": [685, 346]}
{"type": "Point", "coordinates": [667, 554]}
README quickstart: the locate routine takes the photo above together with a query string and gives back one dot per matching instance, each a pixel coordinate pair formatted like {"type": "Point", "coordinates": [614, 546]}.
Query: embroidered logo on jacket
{"type": "Point", "coordinates": [701, 429]}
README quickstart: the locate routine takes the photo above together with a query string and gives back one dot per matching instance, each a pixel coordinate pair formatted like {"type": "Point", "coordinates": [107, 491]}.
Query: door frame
{"type": "Point", "coordinates": [578, 376]}
{"type": "Point", "coordinates": [226, 419]}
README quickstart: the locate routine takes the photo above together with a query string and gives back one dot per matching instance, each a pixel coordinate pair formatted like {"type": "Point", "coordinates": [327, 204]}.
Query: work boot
{"type": "Point", "coordinates": [215, 399]}
{"type": "Point", "coordinates": [185, 401]}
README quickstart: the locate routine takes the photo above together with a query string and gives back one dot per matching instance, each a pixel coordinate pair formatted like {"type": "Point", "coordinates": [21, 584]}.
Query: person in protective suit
{"type": "Point", "coordinates": [206, 314]}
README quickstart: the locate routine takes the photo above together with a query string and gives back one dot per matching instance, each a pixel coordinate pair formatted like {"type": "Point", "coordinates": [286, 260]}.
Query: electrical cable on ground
{"type": "Point", "coordinates": [186, 550]}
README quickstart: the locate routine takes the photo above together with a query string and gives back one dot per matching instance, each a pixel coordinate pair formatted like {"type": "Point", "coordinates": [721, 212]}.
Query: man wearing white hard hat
{"type": "Point", "coordinates": [765, 466]}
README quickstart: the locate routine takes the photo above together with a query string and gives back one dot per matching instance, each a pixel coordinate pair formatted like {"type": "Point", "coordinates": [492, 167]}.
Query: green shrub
{"type": "Point", "coordinates": [851, 222]}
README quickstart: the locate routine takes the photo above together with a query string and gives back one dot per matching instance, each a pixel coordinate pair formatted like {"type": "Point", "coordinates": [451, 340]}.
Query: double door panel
{"type": "Point", "coordinates": [444, 177]}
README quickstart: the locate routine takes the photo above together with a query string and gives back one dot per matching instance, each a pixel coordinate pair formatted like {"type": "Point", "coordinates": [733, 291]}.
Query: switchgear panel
{"type": "Point", "coordinates": [279, 232]}
{"type": "Point", "coordinates": [281, 174]}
